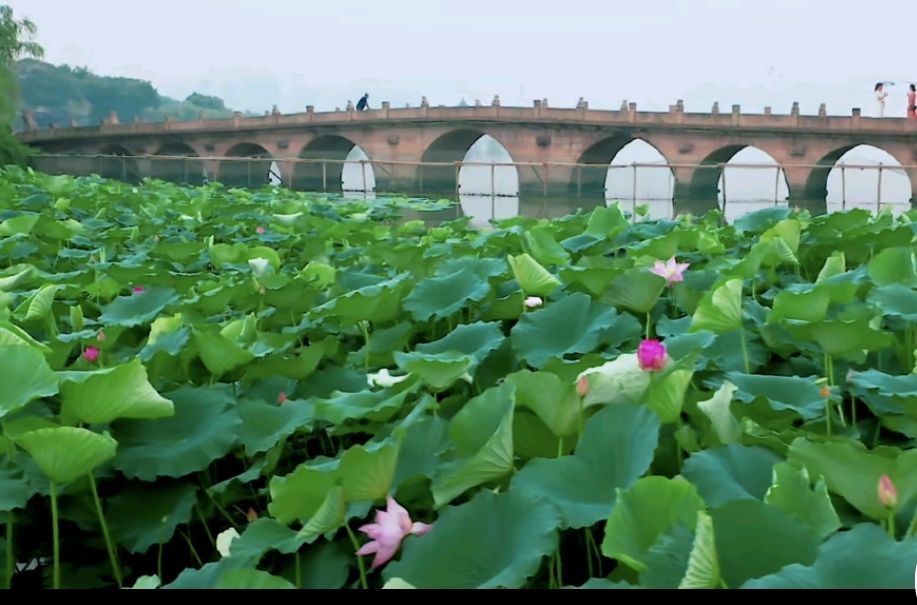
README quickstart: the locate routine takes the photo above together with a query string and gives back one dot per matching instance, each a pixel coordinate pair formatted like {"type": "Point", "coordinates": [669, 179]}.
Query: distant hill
{"type": "Point", "coordinates": [60, 94]}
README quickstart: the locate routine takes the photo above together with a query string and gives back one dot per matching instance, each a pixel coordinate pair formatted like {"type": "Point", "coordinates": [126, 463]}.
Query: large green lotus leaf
{"type": "Point", "coordinates": [721, 310]}
{"type": "Point", "coordinates": [754, 539]}
{"type": "Point", "coordinates": [484, 268]}
{"type": "Point", "coordinates": [438, 370]}
{"type": "Point", "coordinates": [207, 576]}
{"type": "Point", "coordinates": [382, 345]}
{"type": "Point", "coordinates": [896, 299]}
{"type": "Point", "coordinates": [299, 495]}
{"type": "Point", "coordinates": [119, 392]}
{"type": "Point", "coordinates": [667, 561]}
{"type": "Point", "coordinates": [803, 306]}
{"type": "Point", "coordinates": [643, 513]}
{"type": "Point", "coordinates": [8, 283]}
{"type": "Point", "coordinates": [264, 425]}
{"type": "Point", "coordinates": [363, 474]}
{"type": "Point", "coordinates": [330, 515]}
{"type": "Point", "coordinates": [618, 381]}
{"type": "Point", "coordinates": [11, 334]}
{"type": "Point", "coordinates": [864, 557]}
{"type": "Point", "coordinates": [703, 569]}
{"type": "Point", "coordinates": [65, 453]}
{"type": "Point", "coordinates": [226, 254]}
{"type": "Point", "coordinates": [422, 444]}
{"type": "Point", "coordinates": [477, 340]}
{"type": "Point", "coordinates": [38, 305]}
{"type": "Point", "coordinates": [482, 437]}
{"type": "Point", "coordinates": [203, 430]}
{"type": "Point", "coordinates": [732, 472]}
{"type": "Point", "coordinates": [886, 393]}
{"type": "Point", "coordinates": [760, 220]}
{"type": "Point", "coordinates": [218, 353]}
{"type": "Point", "coordinates": [19, 224]}
{"type": "Point", "coordinates": [894, 266]}
{"type": "Point", "coordinates": [531, 276]}
{"type": "Point", "coordinates": [540, 243]}
{"type": "Point", "coordinates": [377, 303]}
{"type": "Point", "coordinates": [554, 401]}
{"type": "Point", "coordinates": [717, 409]}
{"type": "Point", "coordinates": [792, 493]}
{"type": "Point", "coordinates": [666, 393]}
{"type": "Point", "coordinates": [138, 309]}
{"type": "Point", "coordinates": [852, 472]}
{"type": "Point", "coordinates": [573, 324]}
{"type": "Point", "coordinates": [636, 289]}
{"type": "Point", "coordinates": [839, 337]}
{"type": "Point", "coordinates": [14, 490]}
{"type": "Point", "coordinates": [604, 224]}
{"type": "Point", "coordinates": [142, 515]}
{"type": "Point", "coordinates": [616, 448]}
{"type": "Point", "coordinates": [250, 579]}
{"type": "Point", "coordinates": [441, 296]}
{"type": "Point", "coordinates": [28, 376]}
{"type": "Point", "coordinates": [263, 535]}
{"type": "Point", "coordinates": [595, 280]}
{"type": "Point", "coordinates": [835, 265]}
{"type": "Point", "coordinates": [375, 406]}
{"type": "Point", "coordinates": [802, 395]}
{"type": "Point", "coordinates": [493, 541]}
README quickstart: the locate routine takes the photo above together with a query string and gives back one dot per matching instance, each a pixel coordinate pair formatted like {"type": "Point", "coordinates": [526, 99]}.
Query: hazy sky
{"type": "Point", "coordinates": [298, 52]}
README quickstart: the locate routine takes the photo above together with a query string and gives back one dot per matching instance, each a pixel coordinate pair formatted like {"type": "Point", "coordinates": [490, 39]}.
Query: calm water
{"type": "Point", "coordinates": [746, 189]}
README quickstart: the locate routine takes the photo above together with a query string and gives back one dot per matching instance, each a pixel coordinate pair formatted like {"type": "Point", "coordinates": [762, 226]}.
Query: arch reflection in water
{"type": "Point", "coordinates": [864, 188]}
{"type": "Point", "coordinates": [647, 185]}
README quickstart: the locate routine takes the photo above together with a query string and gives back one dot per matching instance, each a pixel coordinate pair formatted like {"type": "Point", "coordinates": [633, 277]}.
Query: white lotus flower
{"type": "Point", "coordinates": [383, 379]}
{"type": "Point", "coordinates": [224, 540]}
{"type": "Point", "coordinates": [259, 265]}
{"type": "Point", "coordinates": [533, 302]}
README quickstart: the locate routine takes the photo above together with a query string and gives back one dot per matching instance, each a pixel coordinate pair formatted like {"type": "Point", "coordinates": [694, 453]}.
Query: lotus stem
{"type": "Point", "coordinates": [366, 342]}
{"type": "Point", "coordinates": [744, 350]}
{"type": "Point", "coordinates": [356, 547]}
{"type": "Point", "coordinates": [55, 532]}
{"type": "Point", "coordinates": [112, 553]}
{"type": "Point", "coordinates": [648, 321]}
{"type": "Point", "coordinates": [890, 524]}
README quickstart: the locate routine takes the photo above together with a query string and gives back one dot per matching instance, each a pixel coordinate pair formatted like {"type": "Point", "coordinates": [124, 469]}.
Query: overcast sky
{"type": "Point", "coordinates": [324, 52]}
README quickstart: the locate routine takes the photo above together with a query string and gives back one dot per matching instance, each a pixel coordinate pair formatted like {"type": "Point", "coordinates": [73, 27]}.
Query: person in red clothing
{"type": "Point", "coordinates": [912, 103]}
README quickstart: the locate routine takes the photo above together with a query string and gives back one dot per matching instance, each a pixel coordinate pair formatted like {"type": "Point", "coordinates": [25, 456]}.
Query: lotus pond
{"type": "Point", "coordinates": [216, 388]}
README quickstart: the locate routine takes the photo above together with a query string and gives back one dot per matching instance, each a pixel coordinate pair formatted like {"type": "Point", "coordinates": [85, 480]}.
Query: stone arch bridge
{"type": "Point", "coordinates": [556, 150]}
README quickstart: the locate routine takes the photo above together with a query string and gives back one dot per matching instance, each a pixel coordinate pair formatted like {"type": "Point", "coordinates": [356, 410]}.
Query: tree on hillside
{"type": "Point", "coordinates": [15, 42]}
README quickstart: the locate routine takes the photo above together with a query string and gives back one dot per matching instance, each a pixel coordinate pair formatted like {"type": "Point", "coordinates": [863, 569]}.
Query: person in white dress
{"type": "Point", "coordinates": [881, 95]}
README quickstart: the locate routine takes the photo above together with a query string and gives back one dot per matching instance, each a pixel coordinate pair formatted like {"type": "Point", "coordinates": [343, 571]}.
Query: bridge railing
{"type": "Point", "coordinates": [437, 178]}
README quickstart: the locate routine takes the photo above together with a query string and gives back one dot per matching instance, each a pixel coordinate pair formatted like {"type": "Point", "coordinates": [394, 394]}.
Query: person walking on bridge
{"type": "Point", "coordinates": [363, 103]}
{"type": "Point", "coordinates": [912, 102]}
{"type": "Point", "coordinates": [880, 99]}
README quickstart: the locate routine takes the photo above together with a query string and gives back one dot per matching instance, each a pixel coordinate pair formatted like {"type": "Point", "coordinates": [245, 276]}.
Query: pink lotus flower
{"type": "Point", "coordinates": [139, 289]}
{"type": "Point", "coordinates": [533, 302]}
{"type": "Point", "coordinates": [251, 515]}
{"type": "Point", "coordinates": [582, 386]}
{"type": "Point", "coordinates": [651, 355]}
{"type": "Point", "coordinates": [888, 493]}
{"type": "Point", "coordinates": [101, 336]}
{"type": "Point", "coordinates": [672, 272]}
{"type": "Point", "coordinates": [281, 397]}
{"type": "Point", "coordinates": [391, 527]}
{"type": "Point", "coordinates": [91, 354]}
{"type": "Point", "coordinates": [259, 230]}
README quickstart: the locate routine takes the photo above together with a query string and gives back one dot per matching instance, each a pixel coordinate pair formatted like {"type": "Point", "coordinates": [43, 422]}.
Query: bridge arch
{"type": "Point", "coordinates": [255, 172]}
{"type": "Point", "coordinates": [334, 174]}
{"type": "Point", "coordinates": [454, 146]}
{"type": "Point", "coordinates": [114, 165]}
{"type": "Point", "coordinates": [748, 186]}
{"type": "Point", "coordinates": [187, 170]}
{"type": "Point", "coordinates": [837, 187]}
